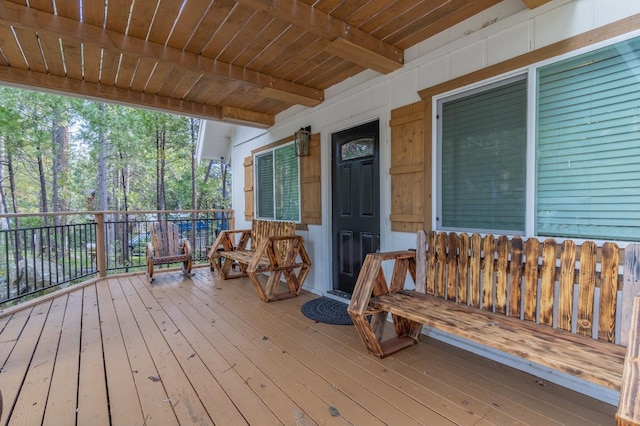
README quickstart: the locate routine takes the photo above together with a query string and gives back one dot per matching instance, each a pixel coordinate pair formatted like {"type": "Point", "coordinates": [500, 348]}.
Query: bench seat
{"type": "Point", "coordinates": [268, 247]}
{"type": "Point", "coordinates": [593, 360]}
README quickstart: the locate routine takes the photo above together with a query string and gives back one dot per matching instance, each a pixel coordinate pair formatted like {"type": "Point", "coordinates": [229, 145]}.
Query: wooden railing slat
{"type": "Point", "coordinates": [547, 274]}
{"type": "Point", "coordinates": [587, 284]}
{"type": "Point", "coordinates": [515, 277]}
{"type": "Point", "coordinates": [531, 279]}
{"type": "Point", "coordinates": [463, 265]}
{"type": "Point", "coordinates": [487, 275]}
{"type": "Point", "coordinates": [452, 261]}
{"type": "Point", "coordinates": [441, 265]}
{"type": "Point", "coordinates": [502, 273]}
{"type": "Point", "coordinates": [608, 291]}
{"type": "Point", "coordinates": [566, 281]}
{"type": "Point", "coordinates": [475, 263]}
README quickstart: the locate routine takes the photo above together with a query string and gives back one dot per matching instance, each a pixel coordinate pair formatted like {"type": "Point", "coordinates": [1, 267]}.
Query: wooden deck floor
{"type": "Point", "coordinates": [204, 351]}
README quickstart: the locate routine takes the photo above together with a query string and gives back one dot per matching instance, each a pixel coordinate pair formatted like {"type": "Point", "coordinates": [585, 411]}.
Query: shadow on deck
{"type": "Point", "coordinates": [204, 351]}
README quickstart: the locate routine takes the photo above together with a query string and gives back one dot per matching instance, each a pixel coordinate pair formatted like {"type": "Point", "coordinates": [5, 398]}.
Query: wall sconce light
{"type": "Point", "coordinates": [302, 137]}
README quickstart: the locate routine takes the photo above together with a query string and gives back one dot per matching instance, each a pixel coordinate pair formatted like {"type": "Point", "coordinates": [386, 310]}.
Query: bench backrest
{"type": "Point", "coordinates": [261, 229]}
{"type": "Point", "coordinates": [165, 238]}
{"type": "Point", "coordinates": [566, 286]}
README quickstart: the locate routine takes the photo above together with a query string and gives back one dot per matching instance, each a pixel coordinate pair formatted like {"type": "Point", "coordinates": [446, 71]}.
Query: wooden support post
{"type": "Point", "coordinates": [101, 245]}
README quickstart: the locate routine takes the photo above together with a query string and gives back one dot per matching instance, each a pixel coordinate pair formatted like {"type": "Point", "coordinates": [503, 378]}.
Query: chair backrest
{"type": "Point", "coordinates": [165, 237]}
{"type": "Point", "coordinates": [261, 229]}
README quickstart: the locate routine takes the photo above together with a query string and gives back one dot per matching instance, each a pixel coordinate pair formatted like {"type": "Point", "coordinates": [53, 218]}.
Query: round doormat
{"type": "Point", "coordinates": [329, 311]}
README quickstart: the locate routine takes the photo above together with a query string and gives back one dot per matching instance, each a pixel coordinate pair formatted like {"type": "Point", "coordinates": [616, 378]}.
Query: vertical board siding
{"type": "Point", "coordinates": [534, 281]}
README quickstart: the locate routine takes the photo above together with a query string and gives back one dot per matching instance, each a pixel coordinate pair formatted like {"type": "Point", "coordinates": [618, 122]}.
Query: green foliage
{"type": "Point", "coordinates": [26, 124]}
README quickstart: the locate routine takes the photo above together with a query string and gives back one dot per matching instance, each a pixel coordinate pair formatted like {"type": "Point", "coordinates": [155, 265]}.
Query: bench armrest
{"type": "Point", "coordinates": [371, 279]}
{"type": "Point", "coordinates": [226, 242]}
{"type": "Point", "coordinates": [186, 247]}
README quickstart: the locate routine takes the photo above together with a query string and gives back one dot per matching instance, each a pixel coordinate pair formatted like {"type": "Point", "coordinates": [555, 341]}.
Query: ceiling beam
{"type": "Point", "coordinates": [19, 16]}
{"type": "Point", "coordinates": [98, 92]}
{"type": "Point", "coordinates": [372, 52]}
{"type": "Point", "coordinates": [239, 115]}
{"type": "Point", "coordinates": [532, 4]}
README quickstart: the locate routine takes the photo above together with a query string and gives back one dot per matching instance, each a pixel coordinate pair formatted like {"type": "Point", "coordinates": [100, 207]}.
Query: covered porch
{"type": "Point", "coordinates": [118, 350]}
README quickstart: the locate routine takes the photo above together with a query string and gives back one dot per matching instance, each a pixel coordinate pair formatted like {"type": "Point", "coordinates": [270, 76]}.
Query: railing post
{"type": "Point", "coordinates": [101, 245]}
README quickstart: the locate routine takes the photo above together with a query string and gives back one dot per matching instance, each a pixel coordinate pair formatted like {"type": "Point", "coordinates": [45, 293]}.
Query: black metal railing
{"type": "Point", "coordinates": [126, 238]}
{"type": "Point", "coordinates": [36, 256]}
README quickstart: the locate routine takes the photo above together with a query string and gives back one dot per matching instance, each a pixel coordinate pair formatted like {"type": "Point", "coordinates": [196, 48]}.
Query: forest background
{"type": "Point", "coordinates": [61, 154]}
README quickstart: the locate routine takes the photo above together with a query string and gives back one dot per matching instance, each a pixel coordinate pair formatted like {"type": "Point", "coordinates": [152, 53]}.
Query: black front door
{"type": "Point", "coordinates": [356, 201]}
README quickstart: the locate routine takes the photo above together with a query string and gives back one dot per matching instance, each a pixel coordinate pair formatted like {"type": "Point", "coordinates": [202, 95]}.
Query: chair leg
{"type": "Point", "coordinates": [150, 271]}
{"type": "Point", "coordinates": [187, 265]}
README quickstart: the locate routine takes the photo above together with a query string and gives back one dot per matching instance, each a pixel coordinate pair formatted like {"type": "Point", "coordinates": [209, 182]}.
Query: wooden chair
{"type": "Point", "coordinates": [166, 246]}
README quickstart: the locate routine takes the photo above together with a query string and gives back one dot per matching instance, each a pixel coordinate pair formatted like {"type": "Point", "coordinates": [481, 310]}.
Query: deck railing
{"type": "Point", "coordinates": [40, 251]}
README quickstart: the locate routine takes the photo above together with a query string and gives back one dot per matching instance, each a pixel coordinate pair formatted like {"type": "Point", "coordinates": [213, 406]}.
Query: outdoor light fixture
{"type": "Point", "coordinates": [302, 141]}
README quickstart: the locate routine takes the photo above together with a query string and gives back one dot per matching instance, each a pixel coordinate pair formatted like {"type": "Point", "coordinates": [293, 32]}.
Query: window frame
{"type": "Point", "coordinates": [530, 71]}
{"type": "Point", "coordinates": [272, 151]}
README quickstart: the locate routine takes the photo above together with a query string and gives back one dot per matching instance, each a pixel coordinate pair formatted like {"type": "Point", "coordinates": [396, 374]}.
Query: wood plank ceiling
{"type": "Point", "coordinates": [241, 61]}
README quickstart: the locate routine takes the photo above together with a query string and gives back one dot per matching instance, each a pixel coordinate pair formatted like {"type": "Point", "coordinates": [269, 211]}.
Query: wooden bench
{"type": "Point", "coordinates": [268, 247]}
{"type": "Point", "coordinates": [166, 246]}
{"type": "Point", "coordinates": [551, 304]}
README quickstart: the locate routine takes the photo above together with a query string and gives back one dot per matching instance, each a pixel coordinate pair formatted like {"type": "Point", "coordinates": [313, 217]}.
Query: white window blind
{"type": "Point", "coordinates": [588, 145]}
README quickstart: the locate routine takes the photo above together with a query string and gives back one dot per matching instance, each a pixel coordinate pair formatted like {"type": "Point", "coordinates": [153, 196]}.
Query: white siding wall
{"type": "Point", "coordinates": [502, 32]}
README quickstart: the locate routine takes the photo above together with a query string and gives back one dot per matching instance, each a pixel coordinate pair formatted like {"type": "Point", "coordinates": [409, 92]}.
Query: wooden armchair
{"type": "Point", "coordinates": [166, 246]}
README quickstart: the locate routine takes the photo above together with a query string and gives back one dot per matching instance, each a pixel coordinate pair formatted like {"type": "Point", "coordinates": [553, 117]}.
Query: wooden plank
{"type": "Point", "coordinates": [441, 263]}
{"type": "Point", "coordinates": [92, 384]}
{"type": "Point", "coordinates": [143, 73]}
{"type": "Point", "coordinates": [475, 270]}
{"type": "Point", "coordinates": [463, 269]}
{"type": "Point", "coordinates": [15, 368]}
{"type": "Point", "coordinates": [421, 261]}
{"type": "Point", "coordinates": [92, 63]}
{"type": "Point", "coordinates": [566, 281]}
{"type": "Point", "coordinates": [530, 295]}
{"type": "Point", "coordinates": [630, 288]}
{"type": "Point", "coordinates": [118, 15]}
{"type": "Point", "coordinates": [548, 279]}
{"type": "Point", "coordinates": [126, 70]}
{"type": "Point", "coordinates": [270, 355]}
{"type": "Point", "coordinates": [502, 273]}
{"type": "Point", "coordinates": [629, 408]}
{"type": "Point", "coordinates": [515, 276]}
{"type": "Point", "coordinates": [61, 406]}
{"type": "Point", "coordinates": [31, 49]}
{"type": "Point", "coordinates": [72, 54]}
{"type": "Point", "coordinates": [431, 263]}
{"type": "Point", "coordinates": [29, 408]}
{"type": "Point", "coordinates": [10, 334]}
{"type": "Point", "coordinates": [52, 54]}
{"type": "Point", "coordinates": [224, 392]}
{"type": "Point", "coordinates": [452, 266]}
{"type": "Point", "coordinates": [587, 284]}
{"type": "Point", "coordinates": [93, 13]}
{"type": "Point", "coordinates": [488, 278]}
{"type": "Point", "coordinates": [389, 407]}
{"type": "Point", "coordinates": [609, 286]}
{"type": "Point", "coordinates": [11, 50]}
{"type": "Point", "coordinates": [124, 405]}
{"type": "Point", "coordinates": [164, 21]}
{"type": "Point", "coordinates": [185, 401]}
{"type": "Point", "coordinates": [156, 405]}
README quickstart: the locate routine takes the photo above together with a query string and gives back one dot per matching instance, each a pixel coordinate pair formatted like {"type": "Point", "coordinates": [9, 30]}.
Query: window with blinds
{"type": "Point", "coordinates": [278, 184]}
{"type": "Point", "coordinates": [483, 139]}
{"type": "Point", "coordinates": [588, 145]}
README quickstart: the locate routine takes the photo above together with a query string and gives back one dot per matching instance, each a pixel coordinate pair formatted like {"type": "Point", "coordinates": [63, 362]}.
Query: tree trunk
{"type": "Point", "coordinates": [44, 202]}
{"type": "Point", "coordinates": [204, 184]}
{"type": "Point", "coordinates": [60, 166]}
{"type": "Point", "coordinates": [14, 202]}
{"type": "Point", "coordinates": [103, 204]}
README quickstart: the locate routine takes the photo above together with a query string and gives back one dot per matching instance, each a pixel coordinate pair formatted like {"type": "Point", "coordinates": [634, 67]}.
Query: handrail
{"type": "Point", "coordinates": [37, 256]}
